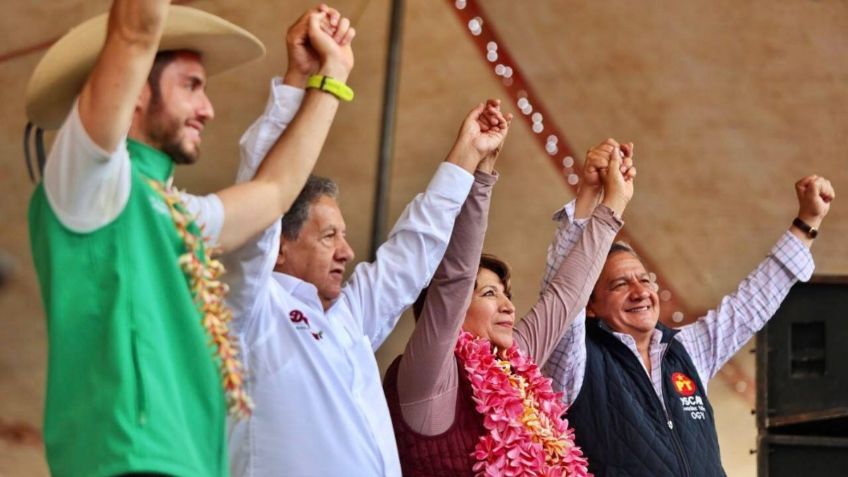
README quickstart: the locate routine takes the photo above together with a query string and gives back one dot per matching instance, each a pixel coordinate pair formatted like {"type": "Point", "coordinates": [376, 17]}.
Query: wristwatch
{"type": "Point", "coordinates": [330, 85]}
{"type": "Point", "coordinates": [811, 232]}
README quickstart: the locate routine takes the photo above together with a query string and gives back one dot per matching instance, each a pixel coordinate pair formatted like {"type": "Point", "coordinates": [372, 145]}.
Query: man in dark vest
{"type": "Point", "coordinates": [637, 389]}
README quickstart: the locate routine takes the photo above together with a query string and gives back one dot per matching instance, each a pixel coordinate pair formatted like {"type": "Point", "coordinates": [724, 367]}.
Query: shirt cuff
{"type": "Point", "coordinates": [795, 256]}
{"type": "Point", "coordinates": [452, 182]}
{"type": "Point", "coordinates": [485, 178]}
{"type": "Point", "coordinates": [567, 213]}
{"type": "Point", "coordinates": [607, 216]}
{"type": "Point", "coordinates": [284, 101]}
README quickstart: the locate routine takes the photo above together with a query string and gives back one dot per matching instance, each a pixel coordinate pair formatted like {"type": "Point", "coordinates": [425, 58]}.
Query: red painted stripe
{"type": "Point", "coordinates": [11, 55]}
{"type": "Point", "coordinates": [517, 87]}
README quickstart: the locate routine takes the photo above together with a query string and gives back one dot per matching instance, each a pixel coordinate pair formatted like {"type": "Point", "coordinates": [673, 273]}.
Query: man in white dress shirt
{"type": "Point", "coordinates": [308, 339]}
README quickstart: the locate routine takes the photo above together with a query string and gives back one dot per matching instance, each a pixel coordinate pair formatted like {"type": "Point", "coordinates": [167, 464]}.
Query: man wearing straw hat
{"type": "Point", "coordinates": [139, 346]}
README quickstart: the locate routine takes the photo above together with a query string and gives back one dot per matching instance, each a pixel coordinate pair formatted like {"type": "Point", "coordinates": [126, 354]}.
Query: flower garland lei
{"type": "Point", "coordinates": [208, 291]}
{"type": "Point", "coordinates": [521, 414]}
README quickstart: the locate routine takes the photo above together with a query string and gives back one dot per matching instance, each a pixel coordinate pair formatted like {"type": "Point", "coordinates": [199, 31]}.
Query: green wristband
{"type": "Point", "coordinates": [330, 85]}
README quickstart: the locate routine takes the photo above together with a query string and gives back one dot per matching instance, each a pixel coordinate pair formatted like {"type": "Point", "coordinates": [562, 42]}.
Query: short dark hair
{"type": "Point", "coordinates": [489, 262]}
{"type": "Point", "coordinates": [162, 59]}
{"type": "Point", "coordinates": [500, 268]}
{"type": "Point", "coordinates": [315, 188]}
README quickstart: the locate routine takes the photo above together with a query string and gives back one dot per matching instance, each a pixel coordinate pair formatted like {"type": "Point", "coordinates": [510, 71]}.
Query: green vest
{"type": "Point", "coordinates": [132, 384]}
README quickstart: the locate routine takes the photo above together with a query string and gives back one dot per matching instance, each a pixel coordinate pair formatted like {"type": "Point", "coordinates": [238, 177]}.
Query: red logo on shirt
{"type": "Point", "coordinates": [297, 316]}
{"type": "Point", "coordinates": [683, 384]}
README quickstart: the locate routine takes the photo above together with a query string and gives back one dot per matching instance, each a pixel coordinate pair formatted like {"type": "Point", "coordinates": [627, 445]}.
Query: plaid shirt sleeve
{"type": "Point", "coordinates": [567, 234]}
{"type": "Point", "coordinates": [715, 338]}
{"type": "Point", "coordinates": [566, 366]}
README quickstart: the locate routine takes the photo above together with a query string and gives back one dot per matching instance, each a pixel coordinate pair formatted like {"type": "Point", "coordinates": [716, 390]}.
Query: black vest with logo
{"type": "Point", "coordinates": [620, 423]}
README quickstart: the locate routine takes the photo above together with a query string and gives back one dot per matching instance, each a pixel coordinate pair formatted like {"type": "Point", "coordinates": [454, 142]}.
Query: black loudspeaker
{"type": "Point", "coordinates": [793, 456]}
{"type": "Point", "coordinates": [802, 363]}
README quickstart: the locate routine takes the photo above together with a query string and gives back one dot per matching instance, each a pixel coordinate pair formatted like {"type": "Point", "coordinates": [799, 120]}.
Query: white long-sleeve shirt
{"type": "Point", "coordinates": [320, 408]}
{"type": "Point", "coordinates": [710, 341]}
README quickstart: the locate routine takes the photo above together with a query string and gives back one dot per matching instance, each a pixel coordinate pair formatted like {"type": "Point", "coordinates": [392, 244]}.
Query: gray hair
{"type": "Point", "coordinates": [315, 188]}
{"type": "Point", "coordinates": [617, 247]}
{"type": "Point", "coordinates": [622, 246]}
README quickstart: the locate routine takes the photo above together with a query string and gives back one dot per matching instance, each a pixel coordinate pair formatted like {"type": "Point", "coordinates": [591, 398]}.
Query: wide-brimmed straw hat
{"type": "Point", "coordinates": [62, 71]}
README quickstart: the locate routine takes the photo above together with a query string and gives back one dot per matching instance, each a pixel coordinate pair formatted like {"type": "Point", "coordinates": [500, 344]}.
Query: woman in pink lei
{"type": "Point", "coordinates": [467, 397]}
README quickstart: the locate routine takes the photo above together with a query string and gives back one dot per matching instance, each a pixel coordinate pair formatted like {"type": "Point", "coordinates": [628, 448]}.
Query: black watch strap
{"type": "Point", "coordinates": [811, 232]}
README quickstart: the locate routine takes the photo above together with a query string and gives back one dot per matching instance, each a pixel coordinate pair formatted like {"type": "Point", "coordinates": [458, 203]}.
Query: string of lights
{"type": "Point", "coordinates": [567, 164]}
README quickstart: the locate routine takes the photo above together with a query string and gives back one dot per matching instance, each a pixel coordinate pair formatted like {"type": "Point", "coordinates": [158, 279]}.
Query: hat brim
{"type": "Point", "coordinates": [62, 71]}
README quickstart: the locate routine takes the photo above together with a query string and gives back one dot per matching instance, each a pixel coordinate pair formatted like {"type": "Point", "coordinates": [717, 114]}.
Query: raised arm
{"type": "Point", "coordinates": [249, 267]}
{"type": "Point", "coordinates": [567, 294]}
{"type": "Point", "coordinates": [109, 96]}
{"type": "Point", "coordinates": [87, 175]}
{"type": "Point", "coordinates": [291, 158]}
{"type": "Point", "coordinates": [572, 218]}
{"type": "Point", "coordinates": [565, 365]}
{"type": "Point", "coordinates": [543, 326]}
{"type": "Point", "coordinates": [378, 292]}
{"type": "Point", "coordinates": [427, 376]}
{"type": "Point", "coordinates": [716, 337]}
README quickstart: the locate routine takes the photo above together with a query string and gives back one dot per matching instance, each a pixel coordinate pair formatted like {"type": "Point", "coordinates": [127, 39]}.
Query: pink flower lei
{"type": "Point", "coordinates": [521, 414]}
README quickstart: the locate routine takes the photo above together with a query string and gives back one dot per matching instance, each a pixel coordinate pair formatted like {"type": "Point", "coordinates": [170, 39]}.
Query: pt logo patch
{"type": "Point", "coordinates": [692, 404]}
{"type": "Point", "coordinates": [683, 384]}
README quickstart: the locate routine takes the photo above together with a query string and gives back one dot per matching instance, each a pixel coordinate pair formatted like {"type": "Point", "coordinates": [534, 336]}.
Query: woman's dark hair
{"type": "Point", "coordinates": [489, 262]}
{"type": "Point", "coordinates": [500, 268]}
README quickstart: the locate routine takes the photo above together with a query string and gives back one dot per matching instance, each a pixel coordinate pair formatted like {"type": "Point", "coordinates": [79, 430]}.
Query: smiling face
{"type": "Point", "coordinates": [172, 112]}
{"type": "Point", "coordinates": [625, 297]}
{"type": "Point", "coordinates": [490, 314]}
{"type": "Point", "coordinates": [320, 252]}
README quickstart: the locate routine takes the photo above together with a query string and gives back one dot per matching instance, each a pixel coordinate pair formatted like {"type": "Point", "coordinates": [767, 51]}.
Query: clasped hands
{"type": "Point", "coordinates": [319, 42]}
{"type": "Point", "coordinates": [608, 174]}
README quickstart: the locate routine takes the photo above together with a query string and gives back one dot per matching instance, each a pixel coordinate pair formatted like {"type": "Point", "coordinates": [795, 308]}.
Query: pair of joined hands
{"type": "Point", "coordinates": [608, 172]}
{"type": "Point", "coordinates": [320, 42]}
